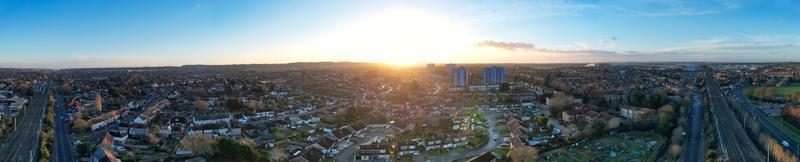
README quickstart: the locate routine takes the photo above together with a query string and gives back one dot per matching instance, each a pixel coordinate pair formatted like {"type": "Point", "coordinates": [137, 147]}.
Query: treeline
{"type": "Point", "coordinates": [761, 93]}
{"type": "Point", "coordinates": [223, 149]}
{"type": "Point", "coordinates": [46, 136]}
{"type": "Point", "coordinates": [791, 114]}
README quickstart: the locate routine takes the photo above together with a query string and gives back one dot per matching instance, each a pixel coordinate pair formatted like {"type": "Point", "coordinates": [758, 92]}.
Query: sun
{"type": "Point", "coordinates": [401, 37]}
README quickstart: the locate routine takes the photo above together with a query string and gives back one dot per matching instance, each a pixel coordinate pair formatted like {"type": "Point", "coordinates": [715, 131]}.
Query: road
{"type": "Point", "coordinates": [734, 142]}
{"type": "Point", "coordinates": [762, 119]}
{"type": "Point", "coordinates": [63, 140]}
{"type": "Point", "coordinates": [23, 142]}
{"type": "Point", "coordinates": [493, 132]}
{"type": "Point", "coordinates": [695, 143]}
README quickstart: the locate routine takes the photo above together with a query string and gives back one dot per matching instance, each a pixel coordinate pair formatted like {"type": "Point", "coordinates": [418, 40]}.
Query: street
{"type": "Point", "coordinates": [695, 141]}
{"type": "Point", "coordinates": [63, 140]}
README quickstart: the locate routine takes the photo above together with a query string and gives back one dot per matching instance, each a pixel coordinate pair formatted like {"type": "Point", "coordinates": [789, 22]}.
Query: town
{"type": "Point", "coordinates": [347, 111]}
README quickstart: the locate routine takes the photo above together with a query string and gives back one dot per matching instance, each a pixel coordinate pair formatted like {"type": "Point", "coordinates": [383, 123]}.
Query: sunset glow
{"type": "Point", "coordinates": [400, 37]}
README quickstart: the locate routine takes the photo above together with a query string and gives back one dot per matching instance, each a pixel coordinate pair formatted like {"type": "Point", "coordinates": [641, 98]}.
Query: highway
{"type": "Point", "coordinates": [695, 140]}
{"type": "Point", "coordinates": [23, 142]}
{"type": "Point", "coordinates": [63, 140]}
{"type": "Point", "coordinates": [761, 118]}
{"type": "Point", "coordinates": [733, 140]}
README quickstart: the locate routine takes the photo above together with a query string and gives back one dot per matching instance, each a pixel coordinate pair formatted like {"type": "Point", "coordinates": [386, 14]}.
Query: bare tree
{"type": "Point", "coordinates": [199, 144]}
{"type": "Point", "coordinates": [524, 154]}
{"type": "Point", "coordinates": [201, 105]}
{"type": "Point", "coordinates": [277, 154]}
{"type": "Point", "coordinates": [98, 101]}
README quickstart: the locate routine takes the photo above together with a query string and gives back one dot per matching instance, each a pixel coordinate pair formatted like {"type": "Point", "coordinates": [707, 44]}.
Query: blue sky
{"type": "Point", "coordinates": [66, 34]}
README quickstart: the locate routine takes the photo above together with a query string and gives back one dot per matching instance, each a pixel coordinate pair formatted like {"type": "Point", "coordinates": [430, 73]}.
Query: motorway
{"type": "Point", "coordinates": [63, 144]}
{"type": "Point", "coordinates": [761, 118]}
{"type": "Point", "coordinates": [695, 143]}
{"type": "Point", "coordinates": [733, 140]}
{"type": "Point", "coordinates": [23, 142]}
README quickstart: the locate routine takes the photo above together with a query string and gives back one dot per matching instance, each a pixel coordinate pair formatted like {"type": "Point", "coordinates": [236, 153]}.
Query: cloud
{"type": "Point", "coordinates": [511, 46]}
{"type": "Point", "coordinates": [753, 48]}
{"type": "Point", "coordinates": [521, 46]}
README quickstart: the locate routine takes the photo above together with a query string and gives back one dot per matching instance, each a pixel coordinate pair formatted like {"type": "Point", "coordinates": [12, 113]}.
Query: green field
{"type": "Point", "coordinates": [611, 148]}
{"type": "Point", "coordinates": [785, 91]}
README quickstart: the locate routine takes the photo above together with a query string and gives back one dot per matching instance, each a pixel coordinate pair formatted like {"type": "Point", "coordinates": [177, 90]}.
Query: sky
{"type": "Point", "coordinates": [133, 33]}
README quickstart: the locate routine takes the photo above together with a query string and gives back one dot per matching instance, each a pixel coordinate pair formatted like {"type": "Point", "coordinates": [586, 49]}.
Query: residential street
{"type": "Point", "coordinates": [63, 139]}
{"type": "Point", "coordinates": [494, 132]}
{"type": "Point", "coordinates": [695, 145]}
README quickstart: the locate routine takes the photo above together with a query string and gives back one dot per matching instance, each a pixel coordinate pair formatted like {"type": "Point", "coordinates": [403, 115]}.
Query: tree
{"type": "Point", "coordinates": [598, 126]}
{"type": "Point", "coordinates": [84, 149]}
{"type": "Point", "coordinates": [152, 139]}
{"type": "Point", "coordinates": [524, 154]}
{"type": "Point", "coordinates": [665, 118]}
{"type": "Point", "coordinates": [65, 88]}
{"type": "Point", "coordinates": [155, 128]}
{"type": "Point", "coordinates": [277, 154]}
{"type": "Point", "coordinates": [80, 124]}
{"type": "Point", "coordinates": [201, 105]}
{"type": "Point", "coordinates": [505, 87]}
{"type": "Point", "coordinates": [252, 105]}
{"type": "Point", "coordinates": [568, 133]}
{"type": "Point", "coordinates": [233, 104]}
{"type": "Point", "coordinates": [199, 144]}
{"type": "Point", "coordinates": [98, 101]}
{"type": "Point", "coordinates": [226, 149]}
{"type": "Point", "coordinates": [559, 102]}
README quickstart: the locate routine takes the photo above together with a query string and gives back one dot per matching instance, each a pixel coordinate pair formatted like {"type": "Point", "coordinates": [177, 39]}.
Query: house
{"type": "Point", "coordinates": [212, 119]}
{"type": "Point", "coordinates": [327, 144]}
{"type": "Point", "coordinates": [570, 116]}
{"type": "Point", "coordinates": [635, 113]}
{"type": "Point", "coordinates": [373, 152]}
{"type": "Point", "coordinates": [196, 159]}
{"type": "Point", "coordinates": [343, 132]}
{"type": "Point", "coordinates": [310, 154]}
{"type": "Point", "coordinates": [118, 137]}
{"type": "Point", "coordinates": [407, 148]}
{"type": "Point", "coordinates": [485, 157]}
{"type": "Point", "coordinates": [104, 119]}
{"type": "Point", "coordinates": [103, 155]}
{"type": "Point", "coordinates": [103, 152]}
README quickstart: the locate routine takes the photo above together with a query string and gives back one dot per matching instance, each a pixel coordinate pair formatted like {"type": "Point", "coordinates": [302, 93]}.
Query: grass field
{"type": "Point", "coordinates": [611, 148]}
{"type": "Point", "coordinates": [785, 91]}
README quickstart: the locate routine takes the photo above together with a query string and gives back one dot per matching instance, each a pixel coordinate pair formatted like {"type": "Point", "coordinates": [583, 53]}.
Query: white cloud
{"type": "Point", "coordinates": [752, 48]}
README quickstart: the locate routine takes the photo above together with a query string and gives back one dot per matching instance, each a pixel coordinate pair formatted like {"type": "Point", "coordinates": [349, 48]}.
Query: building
{"type": "Point", "coordinates": [460, 77]}
{"type": "Point", "coordinates": [494, 75]}
{"type": "Point", "coordinates": [635, 113]}
{"type": "Point", "coordinates": [373, 152]}
{"type": "Point", "coordinates": [310, 154]}
{"type": "Point", "coordinates": [450, 66]}
{"type": "Point", "coordinates": [10, 106]}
